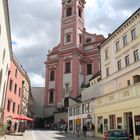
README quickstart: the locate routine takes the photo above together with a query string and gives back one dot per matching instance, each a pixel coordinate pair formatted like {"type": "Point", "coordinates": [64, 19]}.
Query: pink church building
{"type": "Point", "coordinates": [71, 64]}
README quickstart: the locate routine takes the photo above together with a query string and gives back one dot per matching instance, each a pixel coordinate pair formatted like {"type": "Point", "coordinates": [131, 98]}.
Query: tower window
{"type": "Point", "coordinates": [68, 38]}
{"type": "Point", "coordinates": [67, 67]}
{"type": "Point", "coordinates": [69, 11]}
{"type": "Point", "coordinates": [51, 99]}
{"type": "Point", "coordinates": [79, 13]}
{"type": "Point", "coordinates": [89, 69]}
{"type": "Point", "coordinates": [52, 75]}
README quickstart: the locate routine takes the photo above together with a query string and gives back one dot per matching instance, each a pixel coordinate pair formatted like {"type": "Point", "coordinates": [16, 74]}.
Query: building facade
{"type": "Point", "coordinates": [5, 52]}
{"type": "Point", "coordinates": [72, 63]}
{"type": "Point", "coordinates": [119, 105]}
{"type": "Point", "coordinates": [14, 92]}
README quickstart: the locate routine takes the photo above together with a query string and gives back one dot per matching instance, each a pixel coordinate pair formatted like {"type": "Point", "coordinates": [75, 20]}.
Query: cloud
{"type": "Point", "coordinates": [35, 26]}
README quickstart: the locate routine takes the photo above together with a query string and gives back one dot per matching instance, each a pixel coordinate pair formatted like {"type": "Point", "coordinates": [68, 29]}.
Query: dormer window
{"type": "Point", "coordinates": [69, 12]}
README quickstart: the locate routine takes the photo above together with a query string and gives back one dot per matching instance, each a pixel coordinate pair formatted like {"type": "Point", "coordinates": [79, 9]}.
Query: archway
{"type": "Point", "coordinates": [38, 123]}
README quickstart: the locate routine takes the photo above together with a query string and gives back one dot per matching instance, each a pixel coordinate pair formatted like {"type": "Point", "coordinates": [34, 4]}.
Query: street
{"type": "Point", "coordinates": [47, 135]}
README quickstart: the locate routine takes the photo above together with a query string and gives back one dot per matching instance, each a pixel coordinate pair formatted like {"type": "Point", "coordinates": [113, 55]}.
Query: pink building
{"type": "Point", "coordinates": [14, 91]}
{"type": "Point", "coordinates": [73, 62]}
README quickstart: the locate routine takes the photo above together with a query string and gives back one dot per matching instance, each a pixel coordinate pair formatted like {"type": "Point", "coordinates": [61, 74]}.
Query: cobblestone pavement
{"type": "Point", "coordinates": [47, 135]}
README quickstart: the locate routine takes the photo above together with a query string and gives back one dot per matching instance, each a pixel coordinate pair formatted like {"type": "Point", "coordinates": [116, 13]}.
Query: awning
{"type": "Point", "coordinates": [22, 117]}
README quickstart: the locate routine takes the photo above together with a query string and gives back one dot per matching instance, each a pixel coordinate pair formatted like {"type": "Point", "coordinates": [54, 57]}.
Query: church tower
{"type": "Point", "coordinates": [71, 64]}
{"type": "Point", "coordinates": [72, 23]}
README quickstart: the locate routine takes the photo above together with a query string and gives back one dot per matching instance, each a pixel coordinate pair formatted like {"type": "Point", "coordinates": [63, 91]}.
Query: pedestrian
{"type": "Point", "coordinates": [84, 130]}
{"type": "Point", "coordinates": [78, 130]}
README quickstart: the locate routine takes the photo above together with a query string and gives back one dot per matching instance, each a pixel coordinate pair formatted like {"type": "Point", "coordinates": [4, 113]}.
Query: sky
{"type": "Point", "coordinates": [35, 28]}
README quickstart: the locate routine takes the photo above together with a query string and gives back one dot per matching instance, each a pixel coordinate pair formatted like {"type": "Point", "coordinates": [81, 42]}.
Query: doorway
{"type": "Point", "coordinates": [128, 121]}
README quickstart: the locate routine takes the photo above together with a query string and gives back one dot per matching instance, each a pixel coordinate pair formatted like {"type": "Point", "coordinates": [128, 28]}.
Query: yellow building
{"type": "Point", "coordinates": [119, 105]}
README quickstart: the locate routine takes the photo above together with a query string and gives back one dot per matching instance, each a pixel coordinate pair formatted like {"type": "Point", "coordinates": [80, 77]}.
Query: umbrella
{"type": "Point", "coordinates": [22, 117]}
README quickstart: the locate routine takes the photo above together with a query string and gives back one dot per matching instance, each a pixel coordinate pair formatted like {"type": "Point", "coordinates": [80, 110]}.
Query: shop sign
{"type": "Point", "coordinates": [137, 124]}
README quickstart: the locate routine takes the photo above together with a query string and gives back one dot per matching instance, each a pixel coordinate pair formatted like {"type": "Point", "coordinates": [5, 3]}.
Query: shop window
{"type": "Point", "coordinates": [69, 12]}
{"type": "Point", "coordinates": [105, 125]}
{"type": "Point", "coordinates": [119, 123]}
{"type": "Point", "coordinates": [136, 55]}
{"type": "Point", "coordinates": [125, 40]}
{"type": "Point", "coordinates": [70, 125]}
{"type": "Point", "coordinates": [133, 34]}
{"type": "Point", "coordinates": [127, 60]}
{"type": "Point", "coordinates": [100, 125]}
{"type": "Point", "coordinates": [67, 67]}
{"type": "Point", "coordinates": [51, 99]}
{"type": "Point", "coordinates": [112, 121]}
{"type": "Point", "coordinates": [89, 69]}
{"type": "Point", "coordinates": [52, 76]}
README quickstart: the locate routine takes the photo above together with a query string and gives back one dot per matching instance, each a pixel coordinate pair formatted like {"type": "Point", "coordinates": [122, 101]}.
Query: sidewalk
{"type": "Point", "coordinates": [26, 136]}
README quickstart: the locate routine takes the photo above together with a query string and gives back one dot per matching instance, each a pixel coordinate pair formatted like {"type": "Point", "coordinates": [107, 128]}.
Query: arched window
{"type": "Point", "coordinates": [79, 12]}
{"type": "Point", "coordinates": [51, 98]}
{"type": "Point", "coordinates": [69, 11]}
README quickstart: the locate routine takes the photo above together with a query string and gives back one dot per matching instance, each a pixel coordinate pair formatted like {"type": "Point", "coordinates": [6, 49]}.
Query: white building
{"type": "Point", "coordinates": [5, 51]}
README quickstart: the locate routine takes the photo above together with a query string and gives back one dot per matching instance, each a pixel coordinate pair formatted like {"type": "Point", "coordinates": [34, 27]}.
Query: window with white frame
{"type": "Point", "coordinates": [125, 40]}
{"type": "Point", "coordinates": [136, 55]}
{"type": "Point", "coordinates": [117, 46]}
{"type": "Point", "coordinates": [133, 34]}
{"type": "Point", "coordinates": [119, 65]}
{"type": "Point", "coordinates": [127, 62]}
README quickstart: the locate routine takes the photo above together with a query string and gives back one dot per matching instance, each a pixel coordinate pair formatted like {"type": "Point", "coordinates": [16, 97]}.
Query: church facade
{"type": "Point", "coordinates": [71, 64]}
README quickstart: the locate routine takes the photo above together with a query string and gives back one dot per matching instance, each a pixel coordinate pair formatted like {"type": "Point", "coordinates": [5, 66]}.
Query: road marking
{"type": "Point", "coordinates": [33, 135]}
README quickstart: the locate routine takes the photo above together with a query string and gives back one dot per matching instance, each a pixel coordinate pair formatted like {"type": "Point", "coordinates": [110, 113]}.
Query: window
{"type": "Point", "coordinates": [106, 54]}
{"type": "Point", "coordinates": [107, 71]}
{"type": "Point", "coordinates": [79, 13]}
{"type": "Point", "coordinates": [133, 34]}
{"type": "Point", "coordinates": [16, 71]}
{"type": "Point", "coordinates": [83, 108]}
{"type": "Point", "coordinates": [136, 55]}
{"type": "Point", "coordinates": [8, 105]}
{"type": "Point", "coordinates": [19, 92]}
{"type": "Point", "coordinates": [15, 89]}
{"type": "Point", "coordinates": [3, 58]}
{"type": "Point", "coordinates": [0, 78]}
{"type": "Point", "coordinates": [69, 11]}
{"type": "Point", "coordinates": [52, 75]}
{"type": "Point", "coordinates": [11, 84]}
{"type": "Point", "coordinates": [119, 65]}
{"type": "Point", "coordinates": [117, 46]}
{"type": "Point", "coordinates": [127, 60]}
{"type": "Point", "coordinates": [136, 79]}
{"type": "Point", "coordinates": [112, 121]}
{"type": "Point", "coordinates": [18, 110]}
{"type": "Point", "coordinates": [125, 40]}
{"type": "Point", "coordinates": [80, 39]}
{"type": "Point", "coordinates": [51, 99]}
{"type": "Point", "coordinates": [128, 82]}
{"type": "Point", "coordinates": [67, 67]}
{"type": "Point", "coordinates": [68, 38]}
{"type": "Point", "coordinates": [70, 112]}
{"type": "Point", "coordinates": [89, 69]}
{"type": "Point", "coordinates": [13, 107]}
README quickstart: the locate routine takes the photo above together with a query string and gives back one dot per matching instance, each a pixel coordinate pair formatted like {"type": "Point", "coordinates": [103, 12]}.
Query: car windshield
{"type": "Point", "coordinates": [117, 134]}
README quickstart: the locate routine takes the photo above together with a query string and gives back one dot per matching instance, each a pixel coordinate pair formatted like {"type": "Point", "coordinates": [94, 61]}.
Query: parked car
{"type": "Point", "coordinates": [117, 135]}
